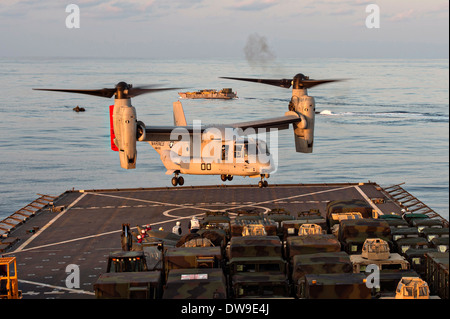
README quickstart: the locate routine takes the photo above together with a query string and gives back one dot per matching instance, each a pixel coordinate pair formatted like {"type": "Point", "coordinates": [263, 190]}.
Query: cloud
{"type": "Point", "coordinates": [99, 9]}
{"type": "Point", "coordinates": [402, 16]}
{"type": "Point", "coordinates": [253, 5]}
{"type": "Point", "coordinates": [342, 12]}
{"type": "Point", "coordinates": [361, 2]}
{"type": "Point", "coordinates": [10, 9]}
{"type": "Point", "coordinates": [437, 10]}
{"type": "Point", "coordinates": [133, 10]}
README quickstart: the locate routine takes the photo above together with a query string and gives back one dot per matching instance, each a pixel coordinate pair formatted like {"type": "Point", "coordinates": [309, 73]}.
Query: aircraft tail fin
{"type": "Point", "coordinates": [179, 118]}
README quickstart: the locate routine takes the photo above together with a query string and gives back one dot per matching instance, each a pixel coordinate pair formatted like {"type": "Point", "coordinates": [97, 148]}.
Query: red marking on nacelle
{"type": "Point", "coordinates": [111, 130]}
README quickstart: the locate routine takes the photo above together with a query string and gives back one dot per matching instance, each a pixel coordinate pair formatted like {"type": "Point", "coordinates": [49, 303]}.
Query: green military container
{"type": "Point", "coordinates": [334, 286]}
{"type": "Point", "coordinates": [431, 233]}
{"type": "Point", "coordinates": [320, 263]}
{"type": "Point", "coordinates": [353, 233]}
{"type": "Point", "coordinates": [279, 215]}
{"type": "Point", "coordinates": [391, 217]}
{"type": "Point", "coordinates": [254, 246]}
{"type": "Point", "coordinates": [260, 285]}
{"type": "Point", "coordinates": [407, 232]}
{"type": "Point", "coordinates": [206, 283]}
{"type": "Point", "coordinates": [336, 207]}
{"type": "Point", "coordinates": [395, 223]}
{"type": "Point", "coordinates": [423, 224]}
{"type": "Point", "coordinates": [440, 243]}
{"type": "Point", "coordinates": [129, 285]}
{"type": "Point", "coordinates": [192, 257]}
{"type": "Point", "coordinates": [417, 259]}
{"type": "Point", "coordinates": [255, 254]}
{"type": "Point", "coordinates": [436, 273]}
{"type": "Point", "coordinates": [411, 217]}
{"type": "Point", "coordinates": [402, 245]}
{"type": "Point", "coordinates": [311, 244]}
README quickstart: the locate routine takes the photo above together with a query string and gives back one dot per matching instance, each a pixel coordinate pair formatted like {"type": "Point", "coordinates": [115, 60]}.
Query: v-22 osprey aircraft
{"type": "Point", "coordinates": [225, 149]}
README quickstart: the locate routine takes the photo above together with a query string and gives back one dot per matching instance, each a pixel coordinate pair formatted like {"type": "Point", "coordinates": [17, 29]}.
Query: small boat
{"type": "Point", "coordinates": [226, 94]}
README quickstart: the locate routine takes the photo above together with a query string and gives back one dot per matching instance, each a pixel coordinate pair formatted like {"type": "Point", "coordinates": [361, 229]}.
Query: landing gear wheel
{"type": "Point", "coordinates": [223, 178]}
{"type": "Point", "coordinates": [181, 181]}
{"type": "Point", "coordinates": [263, 183]}
{"type": "Point", "coordinates": [230, 177]}
{"type": "Point", "coordinates": [174, 181]}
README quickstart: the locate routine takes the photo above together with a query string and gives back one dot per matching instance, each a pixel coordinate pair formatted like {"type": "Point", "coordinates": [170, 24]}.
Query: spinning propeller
{"type": "Point", "coordinates": [299, 81]}
{"type": "Point", "coordinates": [122, 90]}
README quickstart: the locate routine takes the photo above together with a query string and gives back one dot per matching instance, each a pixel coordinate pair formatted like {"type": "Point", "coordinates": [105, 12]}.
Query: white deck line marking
{"type": "Point", "coordinates": [237, 207]}
{"type": "Point", "coordinates": [166, 213]}
{"type": "Point", "coordinates": [151, 202]}
{"type": "Point", "coordinates": [291, 197]}
{"type": "Point", "coordinates": [64, 242]}
{"type": "Point", "coordinates": [49, 223]}
{"type": "Point", "coordinates": [369, 201]}
{"type": "Point", "coordinates": [175, 217]}
{"type": "Point", "coordinates": [78, 291]}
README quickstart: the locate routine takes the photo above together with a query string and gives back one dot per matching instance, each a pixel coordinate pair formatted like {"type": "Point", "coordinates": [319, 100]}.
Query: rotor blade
{"type": "Point", "coordinates": [285, 83]}
{"type": "Point", "coordinates": [310, 83]}
{"type": "Point", "coordinates": [108, 93]}
{"type": "Point", "coordinates": [136, 91]}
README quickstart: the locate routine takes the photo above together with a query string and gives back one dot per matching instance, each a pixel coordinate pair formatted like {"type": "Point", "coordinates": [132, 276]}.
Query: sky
{"type": "Point", "coordinates": [223, 28]}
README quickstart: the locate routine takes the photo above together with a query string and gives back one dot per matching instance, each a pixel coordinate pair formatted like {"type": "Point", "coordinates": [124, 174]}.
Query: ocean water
{"type": "Point", "coordinates": [387, 123]}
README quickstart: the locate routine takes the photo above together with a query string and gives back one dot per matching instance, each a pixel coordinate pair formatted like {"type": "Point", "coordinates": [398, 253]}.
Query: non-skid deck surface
{"type": "Point", "coordinates": [89, 228]}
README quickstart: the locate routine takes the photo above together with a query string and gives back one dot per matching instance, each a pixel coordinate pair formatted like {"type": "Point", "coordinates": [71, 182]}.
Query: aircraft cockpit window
{"type": "Point", "coordinates": [238, 151]}
{"type": "Point", "coordinates": [262, 148]}
{"type": "Point", "coordinates": [225, 152]}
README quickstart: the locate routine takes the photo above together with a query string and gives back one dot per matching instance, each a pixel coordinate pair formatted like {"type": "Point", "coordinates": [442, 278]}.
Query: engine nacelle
{"type": "Point", "coordinates": [125, 128]}
{"type": "Point", "coordinates": [305, 107]}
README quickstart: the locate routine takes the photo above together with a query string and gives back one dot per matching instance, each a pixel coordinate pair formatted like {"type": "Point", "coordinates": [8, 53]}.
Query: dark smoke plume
{"type": "Point", "coordinates": [257, 51]}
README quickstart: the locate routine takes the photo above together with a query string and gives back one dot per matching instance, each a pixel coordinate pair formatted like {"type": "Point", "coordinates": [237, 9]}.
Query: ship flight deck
{"type": "Point", "coordinates": [81, 227]}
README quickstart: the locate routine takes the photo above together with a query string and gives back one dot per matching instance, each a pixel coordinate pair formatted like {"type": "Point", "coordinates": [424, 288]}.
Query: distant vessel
{"type": "Point", "coordinates": [226, 94]}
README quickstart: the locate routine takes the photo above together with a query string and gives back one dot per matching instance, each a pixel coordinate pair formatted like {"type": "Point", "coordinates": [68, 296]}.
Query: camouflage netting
{"type": "Point", "coordinates": [191, 257]}
{"type": "Point", "coordinates": [321, 263]}
{"type": "Point", "coordinates": [255, 246]}
{"type": "Point", "coordinates": [213, 236]}
{"type": "Point", "coordinates": [116, 285]}
{"type": "Point", "coordinates": [364, 228]}
{"type": "Point", "coordinates": [187, 238]}
{"type": "Point", "coordinates": [310, 244]}
{"type": "Point", "coordinates": [196, 284]}
{"type": "Point", "coordinates": [336, 286]}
